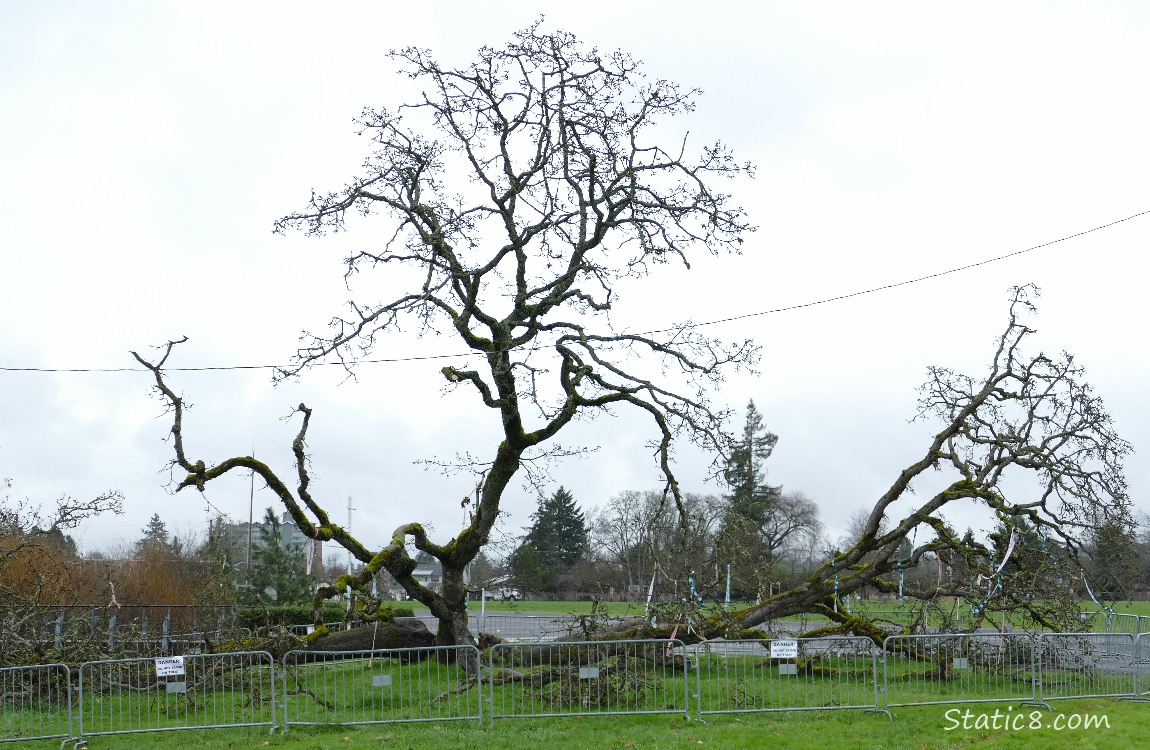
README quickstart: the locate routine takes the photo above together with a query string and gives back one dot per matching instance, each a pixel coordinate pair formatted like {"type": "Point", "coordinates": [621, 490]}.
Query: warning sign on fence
{"type": "Point", "coordinates": [170, 666]}
{"type": "Point", "coordinates": [784, 649]}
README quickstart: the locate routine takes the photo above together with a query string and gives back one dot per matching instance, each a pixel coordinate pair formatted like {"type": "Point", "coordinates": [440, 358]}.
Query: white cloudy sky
{"type": "Point", "coordinates": [146, 148]}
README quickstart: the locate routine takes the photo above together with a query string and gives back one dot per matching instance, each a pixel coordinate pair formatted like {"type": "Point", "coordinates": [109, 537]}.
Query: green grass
{"type": "Point", "coordinates": [551, 607]}
{"type": "Point", "coordinates": [636, 608]}
{"type": "Point", "coordinates": [920, 728]}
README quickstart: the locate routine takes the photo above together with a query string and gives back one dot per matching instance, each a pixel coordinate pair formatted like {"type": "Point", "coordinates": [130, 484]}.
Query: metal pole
{"type": "Point", "coordinates": [349, 510]}
{"type": "Point", "coordinates": [251, 517]}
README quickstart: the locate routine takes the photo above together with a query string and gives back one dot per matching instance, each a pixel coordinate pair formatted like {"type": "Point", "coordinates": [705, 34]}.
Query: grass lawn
{"type": "Point", "coordinates": [552, 607]}
{"type": "Point", "coordinates": [920, 728]}
{"type": "Point", "coordinates": [636, 608]}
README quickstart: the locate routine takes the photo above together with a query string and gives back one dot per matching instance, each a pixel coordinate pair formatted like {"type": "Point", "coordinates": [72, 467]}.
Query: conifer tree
{"type": "Point", "coordinates": [278, 569]}
{"type": "Point", "coordinates": [557, 538]}
{"type": "Point", "coordinates": [750, 506]}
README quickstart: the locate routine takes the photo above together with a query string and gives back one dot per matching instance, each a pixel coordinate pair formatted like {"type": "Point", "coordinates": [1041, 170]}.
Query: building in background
{"type": "Point", "coordinates": [291, 537]}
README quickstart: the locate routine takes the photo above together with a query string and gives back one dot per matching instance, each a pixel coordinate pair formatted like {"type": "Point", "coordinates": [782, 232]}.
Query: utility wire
{"type": "Point", "coordinates": [801, 306]}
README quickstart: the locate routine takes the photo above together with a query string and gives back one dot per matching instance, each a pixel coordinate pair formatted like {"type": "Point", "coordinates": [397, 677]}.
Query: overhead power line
{"type": "Point", "coordinates": [744, 316]}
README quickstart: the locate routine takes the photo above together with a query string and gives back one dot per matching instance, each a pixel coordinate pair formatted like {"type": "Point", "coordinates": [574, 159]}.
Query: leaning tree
{"type": "Point", "coordinates": [521, 190]}
{"type": "Point", "coordinates": [1028, 443]}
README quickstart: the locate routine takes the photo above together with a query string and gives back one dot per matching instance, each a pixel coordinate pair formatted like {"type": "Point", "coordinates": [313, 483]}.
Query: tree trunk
{"type": "Point", "coordinates": [453, 630]}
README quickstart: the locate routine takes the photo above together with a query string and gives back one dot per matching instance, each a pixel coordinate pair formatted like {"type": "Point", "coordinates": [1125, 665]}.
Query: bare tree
{"type": "Point", "coordinates": [519, 190]}
{"type": "Point", "coordinates": [23, 525]}
{"type": "Point", "coordinates": [640, 539]}
{"type": "Point", "coordinates": [1030, 414]}
{"type": "Point", "coordinates": [796, 516]}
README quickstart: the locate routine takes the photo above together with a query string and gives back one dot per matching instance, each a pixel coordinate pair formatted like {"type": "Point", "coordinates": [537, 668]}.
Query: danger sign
{"type": "Point", "coordinates": [784, 649]}
{"type": "Point", "coordinates": [170, 666]}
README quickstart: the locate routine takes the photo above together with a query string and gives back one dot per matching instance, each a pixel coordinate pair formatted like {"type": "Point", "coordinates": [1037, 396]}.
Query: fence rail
{"type": "Point", "coordinates": [35, 703]}
{"type": "Point", "coordinates": [127, 696]}
{"type": "Point", "coordinates": [959, 668]}
{"type": "Point", "coordinates": [382, 686]}
{"type": "Point", "coordinates": [588, 678]}
{"type": "Point", "coordinates": [741, 676]}
{"type": "Point", "coordinates": [1088, 665]}
{"type": "Point", "coordinates": [560, 678]}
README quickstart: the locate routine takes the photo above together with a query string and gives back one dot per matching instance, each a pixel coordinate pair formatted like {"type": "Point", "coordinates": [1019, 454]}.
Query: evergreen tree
{"type": "Point", "coordinates": [277, 569]}
{"type": "Point", "coordinates": [156, 541]}
{"type": "Point", "coordinates": [1114, 561]}
{"type": "Point", "coordinates": [751, 497]}
{"type": "Point", "coordinates": [525, 571]}
{"type": "Point", "coordinates": [751, 507]}
{"type": "Point", "coordinates": [155, 532]}
{"type": "Point", "coordinates": [557, 538]}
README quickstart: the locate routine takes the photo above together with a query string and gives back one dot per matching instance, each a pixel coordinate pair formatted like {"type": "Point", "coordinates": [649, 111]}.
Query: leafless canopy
{"type": "Point", "coordinates": [21, 524]}
{"type": "Point", "coordinates": [1030, 415]}
{"type": "Point", "coordinates": [519, 191]}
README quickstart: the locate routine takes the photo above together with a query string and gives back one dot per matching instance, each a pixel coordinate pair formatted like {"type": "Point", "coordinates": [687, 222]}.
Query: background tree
{"type": "Point", "coordinates": [759, 518]}
{"type": "Point", "coordinates": [639, 537]}
{"type": "Point", "coordinates": [155, 539]}
{"type": "Point", "coordinates": [619, 533]}
{"type": "Point", "coordinates": [219, 560]}
{"type": "Point", "coordinates": [38, 561]}
{"type": "Point", "coordinates": [526, 571]}
{"type": "Point", "coordinates": [484, 572]}
{"type": "Point", "coordinates": [558, 535]}
{"type": "Point", "coordinates": [746, 472]}
{"type": "Point", "coordinates": [519, 190]}
{"type": "Point", "coordinates": [1114, 568]}
{"type": "Point", "coordinates": [278, 573]}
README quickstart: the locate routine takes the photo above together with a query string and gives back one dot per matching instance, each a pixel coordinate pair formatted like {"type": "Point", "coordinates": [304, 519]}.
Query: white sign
{"type": "Point", "coordinates": [170, 666]}
{"type": "Point", "coordinates": [784, 649]}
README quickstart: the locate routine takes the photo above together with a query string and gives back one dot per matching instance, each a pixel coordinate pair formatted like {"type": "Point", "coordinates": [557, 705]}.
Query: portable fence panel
{"type": "Point", "coordinates": [959, 668]}
{"type": "Point", "coordinates": [785, 675]}
{"type": "Point", "coordinates": [1142, 664]}
{"type": "Point", "coordinates": [1087, 665]}
{"type": "Point", "coordinates": [177, 692]}
{"type": "Point", "coordinates": [529, 628]}
{"type": "Point", "coordinates": [383, 686]}
{"type": "Point", "coordinates": [1112, 622]}
{"type": "Point", "coordinates": [588, 677]}
{"type": "Point", "coordinates": [35, 703]}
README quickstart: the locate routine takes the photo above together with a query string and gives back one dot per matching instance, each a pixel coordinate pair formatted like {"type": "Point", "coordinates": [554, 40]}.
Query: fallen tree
{"type": "Point", "coordinates": [1033, 419]}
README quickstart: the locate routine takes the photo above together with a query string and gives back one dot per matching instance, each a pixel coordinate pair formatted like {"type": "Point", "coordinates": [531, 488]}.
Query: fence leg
{"type": "Point", "coordinates": [879, 709]}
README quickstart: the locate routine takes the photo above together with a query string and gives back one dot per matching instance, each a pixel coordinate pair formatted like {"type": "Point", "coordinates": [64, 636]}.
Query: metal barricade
{"type": "Point", "coordinates": [35, 703]}
{"type": "Point", "coordinates": [1101, 621]}
{"type": "Point", "coordinates": [438, 683]}
{"type": "Point", "coordinates": [125, 696]}
{"type": "Point", "coordinates": [1087, 665]}
{"type": "Point", "coordinates": [529, 628]}
{"type": "Point", "coordinates": [588, 678]}
{"type": "Point", "coordinates": [959, 668]}
{"type": "Point", "coordinates": [740, 676]}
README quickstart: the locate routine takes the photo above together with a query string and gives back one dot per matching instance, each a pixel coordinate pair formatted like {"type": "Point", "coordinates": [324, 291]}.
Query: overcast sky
{"type": "Point", "coordinates": [146, 148]}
